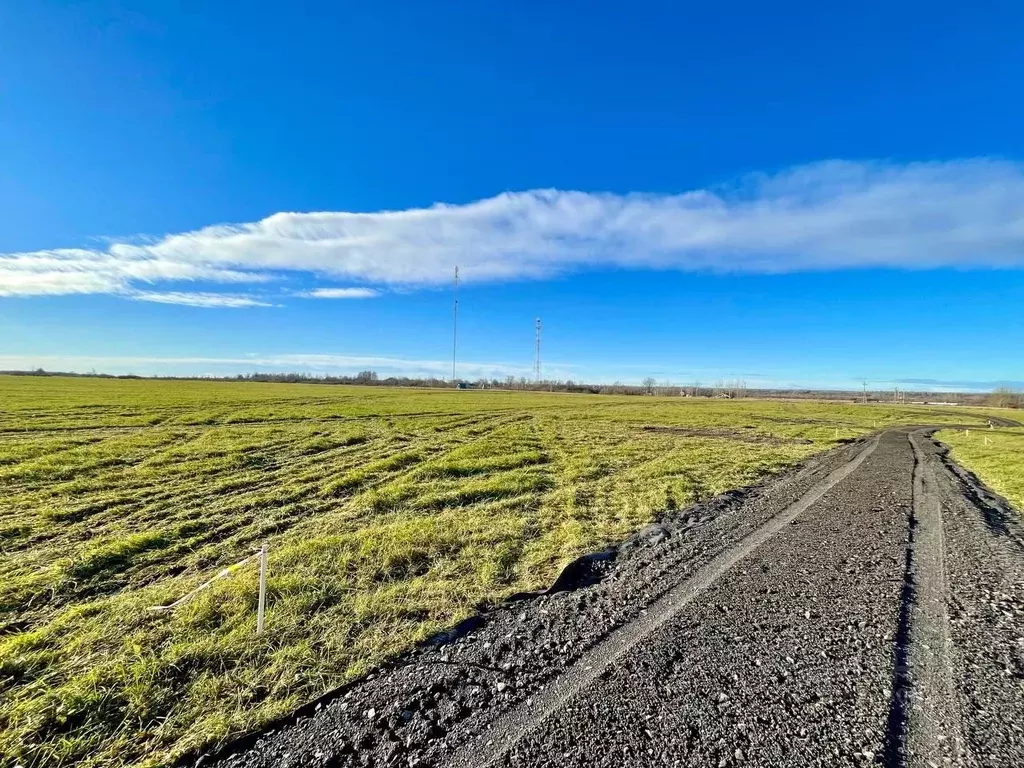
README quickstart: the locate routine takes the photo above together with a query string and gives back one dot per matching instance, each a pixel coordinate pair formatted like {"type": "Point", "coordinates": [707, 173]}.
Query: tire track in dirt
{"type": "Point", "coordinates": [924, 717]}
{"type": "Point", "coordinates": [424, 706]}
{"type": "Point", "coordinates": [495, 742]}
{"type": "Point", "coordinates": [784, 661]}
{"type": "Point", "coordinates": [985, 586]}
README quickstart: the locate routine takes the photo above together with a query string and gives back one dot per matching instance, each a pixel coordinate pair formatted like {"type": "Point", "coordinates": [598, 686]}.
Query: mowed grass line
{"type": "Point", "coordinates": [390, 514]}
{"type": "Point", "coordinates": [994, 455]}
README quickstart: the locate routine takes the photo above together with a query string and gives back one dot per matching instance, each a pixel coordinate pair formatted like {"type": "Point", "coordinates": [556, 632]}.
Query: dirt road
{"type": "Point", "coordinates": [867, 609]}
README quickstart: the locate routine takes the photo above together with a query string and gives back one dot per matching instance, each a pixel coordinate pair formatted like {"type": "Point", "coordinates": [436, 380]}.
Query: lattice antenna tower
{"type": "Point", "coordinates": [536, 358]}
{"type": "Point", "coordinates": [455, 322]}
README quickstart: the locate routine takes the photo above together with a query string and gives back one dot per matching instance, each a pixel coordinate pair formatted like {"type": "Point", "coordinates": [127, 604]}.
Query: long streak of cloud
{"type": "Point", "coordinates": [341, 293]}
{"type": "Point", "coordinates": [833, 215]}
{"type": "Point", "coordinates": [198, 299]}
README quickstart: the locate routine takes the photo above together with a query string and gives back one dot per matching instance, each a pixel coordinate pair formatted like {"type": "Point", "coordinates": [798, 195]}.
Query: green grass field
{"type": "Point", "coordinates": [996, 456]}
{"type": "Point", "coordinates": [390, 514]}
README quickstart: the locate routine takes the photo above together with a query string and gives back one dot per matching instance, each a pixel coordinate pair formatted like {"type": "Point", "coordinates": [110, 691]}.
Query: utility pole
{"type": "Point", "coordinates": [865, 391]}
{"type": "Point", "coordinates": [536, 359]}
{"type": "Point", "coordinates": [455, 323]}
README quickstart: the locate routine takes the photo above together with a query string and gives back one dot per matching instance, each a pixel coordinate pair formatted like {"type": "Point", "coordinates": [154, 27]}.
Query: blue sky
{"type": "Point", "coordinates": [792, 194]}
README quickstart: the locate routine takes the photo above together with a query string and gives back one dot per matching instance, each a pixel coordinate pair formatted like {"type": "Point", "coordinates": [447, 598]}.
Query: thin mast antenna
{"type": "Point", "coordinates": [455, 323]}
{"type": "Point", "coordinates": [536, 359]}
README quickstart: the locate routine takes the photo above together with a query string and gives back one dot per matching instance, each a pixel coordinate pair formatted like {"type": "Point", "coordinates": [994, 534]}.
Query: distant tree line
{"type": "Point", "coordinates": [372, 378]}
{"type": "Point", "coordinates": [90, 375]}
{"type": "Point", "coordinates": [1003, 397]}
{"type": "Point", "coordinates": [649, 386]}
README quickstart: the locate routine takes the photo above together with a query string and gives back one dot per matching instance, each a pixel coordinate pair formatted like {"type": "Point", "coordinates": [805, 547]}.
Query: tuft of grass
{"type": "Point", "coordinates": [390, 514]}
{"type": "Point", "coordinates": [113, 556]}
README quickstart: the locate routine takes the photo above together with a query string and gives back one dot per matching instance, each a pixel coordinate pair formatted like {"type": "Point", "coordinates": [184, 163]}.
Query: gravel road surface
{"type": "Point", "coordinates": [865, 609]}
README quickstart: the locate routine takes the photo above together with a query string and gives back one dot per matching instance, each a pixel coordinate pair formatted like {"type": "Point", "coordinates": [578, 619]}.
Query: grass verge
{"type": "Point", "coordinates": [994, 455]}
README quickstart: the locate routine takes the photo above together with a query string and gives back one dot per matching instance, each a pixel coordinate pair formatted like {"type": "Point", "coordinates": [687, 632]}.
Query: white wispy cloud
{"type": "Point", "coordinates": [340, 293]}
{"type": "Point", "coordinates": [198, 299]}
{"type": "Point", "coordinates": [77, 270]}
{"type": "Point", "coordinates": [833, 215]}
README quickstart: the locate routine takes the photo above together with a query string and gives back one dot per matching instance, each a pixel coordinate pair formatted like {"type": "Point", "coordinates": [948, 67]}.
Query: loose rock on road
{"type": "Point", "coordinates": [866, 609]}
